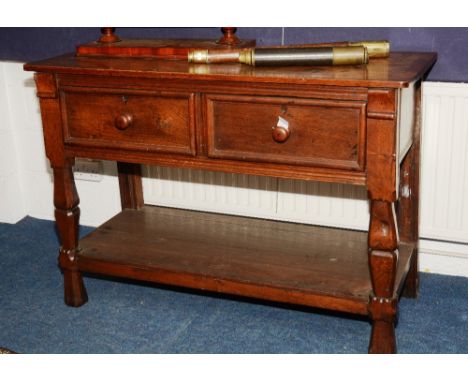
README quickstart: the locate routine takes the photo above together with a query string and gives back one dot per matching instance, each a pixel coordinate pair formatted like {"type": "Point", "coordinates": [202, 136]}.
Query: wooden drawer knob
{"type": "Point", "coordinates": [123, 121]}
{"type": "Point", "coordinates": [281, 131]}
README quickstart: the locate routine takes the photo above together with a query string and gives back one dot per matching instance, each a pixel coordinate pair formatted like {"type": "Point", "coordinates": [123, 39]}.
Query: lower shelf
{"type": "Point", "coordinates": [285, 262]}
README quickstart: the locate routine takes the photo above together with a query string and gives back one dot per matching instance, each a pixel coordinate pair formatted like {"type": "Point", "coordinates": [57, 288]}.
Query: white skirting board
{"type": "Point", "coordinates": [443, 257]}
{"type": "Point", "coordinates": [26, 182]}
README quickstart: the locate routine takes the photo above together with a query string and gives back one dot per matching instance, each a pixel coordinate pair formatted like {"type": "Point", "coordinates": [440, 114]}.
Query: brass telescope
{"type": "Point", "coordinates": [341, 53]}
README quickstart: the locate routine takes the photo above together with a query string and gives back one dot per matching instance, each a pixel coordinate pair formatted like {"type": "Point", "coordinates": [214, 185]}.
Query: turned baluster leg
{"type": "Point", "coordinates": [66, 200]}
{"type": "Point", "coordinates": [383, 257]}
{"type": "Point", "coordinates": [67, 215]}
{"type": "Point", "coordinates": [382, 185]}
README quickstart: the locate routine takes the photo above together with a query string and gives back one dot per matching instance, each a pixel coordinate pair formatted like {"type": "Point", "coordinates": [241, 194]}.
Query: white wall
{"type": "Point", "coordinates": [444, 179]}
{"type": "Point", "coordinates": [98, 201]}
{"type": "Point", "coordinates": [11, 200]}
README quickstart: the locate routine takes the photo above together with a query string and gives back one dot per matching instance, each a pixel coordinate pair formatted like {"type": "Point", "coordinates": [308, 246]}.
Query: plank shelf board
{"type": "Point", "coordinates": [278, 261]}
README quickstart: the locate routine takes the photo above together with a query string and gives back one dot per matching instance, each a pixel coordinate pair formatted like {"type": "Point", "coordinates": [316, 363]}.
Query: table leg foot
{"type": "Point", "coordinates": [383, 313]}
{"type": "Point", "coordinates": [75, 291]}
{"type": "Point", "coordinates": [382, 339]}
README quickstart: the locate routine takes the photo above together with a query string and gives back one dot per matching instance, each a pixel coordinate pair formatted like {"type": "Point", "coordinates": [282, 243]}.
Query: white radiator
{"type": "Point", "coordinates": [288, 200]}
{"type": "Point", "coordinates": [444, 178]}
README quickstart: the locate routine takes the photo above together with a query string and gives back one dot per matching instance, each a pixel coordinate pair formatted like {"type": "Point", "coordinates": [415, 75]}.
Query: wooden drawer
{"type": "Point", "coordinates": [322, 133]}
{"type": "Point", "coordinates": [129, 119]}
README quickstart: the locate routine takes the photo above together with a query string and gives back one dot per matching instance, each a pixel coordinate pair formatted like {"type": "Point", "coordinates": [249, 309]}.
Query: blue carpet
{"type": "Point", "coordinates": [125, 317]}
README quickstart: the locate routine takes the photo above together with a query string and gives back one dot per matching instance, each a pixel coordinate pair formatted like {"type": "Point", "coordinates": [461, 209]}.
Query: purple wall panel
{"type": "Point", "coordinates": [28, 44]}
{"type": "Point", "coordinates": [451, 44]}
{"type": "Point", "coordinates": [25, 44]}
{"type": "Point", "coordinates": [264, 36]}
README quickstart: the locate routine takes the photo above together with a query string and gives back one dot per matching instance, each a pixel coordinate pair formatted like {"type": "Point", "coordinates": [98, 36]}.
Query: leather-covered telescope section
{"type": "Point", "coordinates": [286, 56]}
{"type": "Point", "coordinates": [341, 53]}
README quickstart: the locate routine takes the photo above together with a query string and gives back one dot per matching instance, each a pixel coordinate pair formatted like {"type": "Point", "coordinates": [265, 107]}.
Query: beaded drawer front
{"type": "Point", "coordinates": [129, 119]}
{"type": "Point", "coordinates": [287, 130]}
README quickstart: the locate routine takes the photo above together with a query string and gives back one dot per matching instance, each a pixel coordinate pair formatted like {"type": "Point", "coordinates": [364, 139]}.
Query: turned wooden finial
{"type": "Point", "coordinates": [108, 36]}
{"type": "Point", "coordinates": [229, 37]}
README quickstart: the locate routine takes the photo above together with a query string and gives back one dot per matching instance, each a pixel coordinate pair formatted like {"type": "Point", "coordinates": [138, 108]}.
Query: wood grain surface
{"type": "Point", "coordinates": [395, 72]}
{"type": "Point", "coordinates": [259, 258]}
